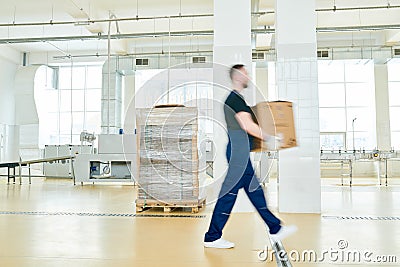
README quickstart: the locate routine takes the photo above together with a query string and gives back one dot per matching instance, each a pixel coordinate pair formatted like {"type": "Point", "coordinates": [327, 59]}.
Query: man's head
{"type": "Point", "coordinates": [238, 74]}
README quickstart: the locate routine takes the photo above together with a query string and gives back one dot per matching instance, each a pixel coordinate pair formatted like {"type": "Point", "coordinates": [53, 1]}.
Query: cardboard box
{"type": "Point", "coordinates": [275, 118]}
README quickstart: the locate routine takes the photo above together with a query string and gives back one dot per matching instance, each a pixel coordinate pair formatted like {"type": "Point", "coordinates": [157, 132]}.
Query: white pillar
{"type": "Point", "coordinates": [27, 118]}
{"type": "Point", "coordinates": [129, 113]}
{"type": "Point", "coordinates": [9, 58]}
{"type": "Point", "coordinates": [262, 83]}
{"type": "Point", "coordinates": [299, 188]}
{"type": "Point", "coordinates": [232, 45]}
{"type": "Point", "coordinates": [382, 107]}
{"type": "Point", "coordinates": [111, 99]}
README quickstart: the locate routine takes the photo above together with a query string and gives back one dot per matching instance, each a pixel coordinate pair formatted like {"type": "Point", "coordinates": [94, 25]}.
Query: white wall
{"type": "Point", "coordinates": [9, 59]}
{"type": "Point", "coordinates": [7, 74]}
{"type": "Point", "coordinates": [26, 115]}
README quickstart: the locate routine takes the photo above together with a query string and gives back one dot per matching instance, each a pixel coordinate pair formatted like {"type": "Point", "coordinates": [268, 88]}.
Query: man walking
{"type": "Point", "coordinates": [241, 128]}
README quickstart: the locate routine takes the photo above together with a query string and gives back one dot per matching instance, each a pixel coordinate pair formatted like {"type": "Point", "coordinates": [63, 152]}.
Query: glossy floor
{"type": "Point", "coordinates": [53, 223]}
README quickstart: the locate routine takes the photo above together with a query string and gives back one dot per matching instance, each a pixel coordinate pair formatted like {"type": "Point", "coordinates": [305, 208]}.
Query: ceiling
{"type": "Point", "coordinates": [39, 25]}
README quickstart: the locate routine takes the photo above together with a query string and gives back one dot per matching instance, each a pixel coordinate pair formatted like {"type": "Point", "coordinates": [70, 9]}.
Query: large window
{"type": "Point", "coordinates": [347, 104]}
{"type": "Point", "coordinates": [346, 101]}
{"type": "Point", "coordinates": [394, 101]}
{"type": "Point", "coordinates": [70, 100]}
{"type": "Point", "coordinates": [198, 95]}
{"type": "Point", "coordinates": [189, 87]}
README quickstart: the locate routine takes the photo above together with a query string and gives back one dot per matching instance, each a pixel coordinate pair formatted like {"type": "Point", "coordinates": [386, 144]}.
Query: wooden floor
{"type": "Point", "coordinates": [53, 223]}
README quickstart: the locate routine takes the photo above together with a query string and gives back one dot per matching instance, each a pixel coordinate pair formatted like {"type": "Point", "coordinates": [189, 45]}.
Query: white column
{"type": "Point", "coordinates": [129, 104]}
{"type": "Point", "coordinates": [232, 45]}
{"type": "Point", "coordinates": [9, 58]}
{"type": "Point", "coordinates": [111, 99]}
{"type": "Point", "coordinates": [382, 107]}
{"type": "Point", "coordinates": [262, 83]}
{"type": "Point", "coordinates": [27, 117]}
{"type": "Point", "coordinates": [299, 188]}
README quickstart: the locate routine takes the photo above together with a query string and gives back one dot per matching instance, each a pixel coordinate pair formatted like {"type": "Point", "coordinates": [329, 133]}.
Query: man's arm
{"type": "Point", "coordinates": [247, 124]}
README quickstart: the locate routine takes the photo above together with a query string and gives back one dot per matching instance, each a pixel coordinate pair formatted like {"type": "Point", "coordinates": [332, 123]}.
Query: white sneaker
{"type": "Point", "coordinates": [284, 232]}
{"type": "Point", "coordinates": [219, 243]}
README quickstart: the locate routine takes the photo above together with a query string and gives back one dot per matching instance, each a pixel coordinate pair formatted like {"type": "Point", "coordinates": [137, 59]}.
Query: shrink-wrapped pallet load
{"type": "Point", "coordinates": [168, 157]}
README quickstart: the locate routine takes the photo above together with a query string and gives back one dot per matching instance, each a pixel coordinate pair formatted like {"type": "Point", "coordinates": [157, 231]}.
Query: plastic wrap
{"type": "Point", "coordinates": [168, 156]}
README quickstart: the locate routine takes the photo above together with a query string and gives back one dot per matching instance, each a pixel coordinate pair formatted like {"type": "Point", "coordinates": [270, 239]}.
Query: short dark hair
{"type": "Point", "coordinates": [235, 68]}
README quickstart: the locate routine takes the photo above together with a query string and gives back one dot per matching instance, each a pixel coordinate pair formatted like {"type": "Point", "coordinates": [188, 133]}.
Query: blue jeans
{"type": "Point", "coordinates": [240, 175]}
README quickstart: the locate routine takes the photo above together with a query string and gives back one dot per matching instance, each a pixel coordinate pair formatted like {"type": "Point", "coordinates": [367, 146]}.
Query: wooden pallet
{"type": "Point", "coordinates": [142, 204]}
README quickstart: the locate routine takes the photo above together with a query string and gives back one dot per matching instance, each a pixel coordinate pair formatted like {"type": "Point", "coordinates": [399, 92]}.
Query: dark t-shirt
{"type": "Point", "coordinates": [235, 103]}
